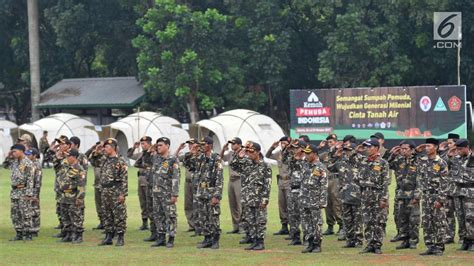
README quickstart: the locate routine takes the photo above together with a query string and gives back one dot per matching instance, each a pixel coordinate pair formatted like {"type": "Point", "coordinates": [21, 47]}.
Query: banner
{"type": "Point", "coordinates": [416, 112]}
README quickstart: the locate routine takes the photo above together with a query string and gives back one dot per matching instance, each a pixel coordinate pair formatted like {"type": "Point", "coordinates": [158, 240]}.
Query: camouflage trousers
{"type": "Point", "coordinates": [165, 215]}
{"type": "Point", "coordinates": [150, 208]}
{"type": "Point", "coordinates": [460, 210]}
{"type": "Point", "coordinates": [395, 214]}
{"type": "Point", "coordinates": [36, 217]}
{"type": "Point", "coordinates": [72, 217]}
{"type": "Point", "coordinates": [374, 218]}
{"type": "Point", "coordinates": [58, 208]}
{"type": "Point", "coordinates": [257, 222]}
{"type": "Point", "coordinates": [244, 218]}
{"type": "Point", "coordinates": [21, 214]}
{"type": "Point", "coordinates": [142, 199]}
{"type": "Point", "coordinates": [208, 217]}
{"type": "Point", "coordinates": [195, 215]}
{"type": "Point", "coordinates": [294, 212]}
{"type": "Point", "coordinates": [311, 223]}
{"type": "Point", "coordinates": [433, 222]}
{"type": "Point", "coordinates": [466, 205]}
{"type": "Point", "coordinates": [352, 220]}
{"type": "Point", "coordinates": [450, 218]}
{"type": "Point", "coordinates": [408, 216]}
{"type": "Point", "coordinates": [115, 214]}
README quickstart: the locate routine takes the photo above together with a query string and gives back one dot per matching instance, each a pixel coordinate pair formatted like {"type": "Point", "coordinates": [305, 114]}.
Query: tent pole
{"type": "Point", "coordinates": [138, 127]}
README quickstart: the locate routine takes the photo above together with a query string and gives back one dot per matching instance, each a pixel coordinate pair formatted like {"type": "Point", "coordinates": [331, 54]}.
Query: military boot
{"type": "Point", "coordinates": [17, 237]}
{"type": "Point", "coordinates": [329, 231]}
{"type": "Point", "coordinates": [295, 241]}
{"type": "Point", "coordinates": [77, 238]}
{"type": "Point", "coordinates": [67, 237]}
{"type": "Point", "coordinates": [120, 240]}
{"type": "Point", "coordinates": [396, 238]}
{"type": "Point", "coordinates": [207, 243]}
{"type": "Point", "coordinates": [471, 246]}
{"type": "Point", "coordinates": [429, 251]}
{"type": "Point", "coordinates": [246, 240]}
{"type": "Point", "coordinates": [27, 237]}
{"type": "Point", "coordinates": [404, 245]}
{"type": "Point", "coordinates": [254, 244]}
{"type": "Point", "coordinates": [100, 226]}
{"type": "Point", "coordinates": [465, 245]}
{"type": "Point", "coordinates": [170, 243]}
{"type": "Point", "coordinates": [260, 245]}
{"type": "Point", "coordinates": [108, 240]}
{"type": "Point", "coordinates": [60, 234]}
{"type": "Point", "coordinates": [152, 237]}
{"type": "Point", "coordinates": [160, 241]}
{"type": "Point", "coordinates": [215, 242]}
{"type": "Point", "coordinates": [283, 230]}
{"type": "Point", "coordinates": [144, 225]}
{"type": "Point", "coordinates": [310, 246]}
{"type": "Point", "coordinates": [316, 246]}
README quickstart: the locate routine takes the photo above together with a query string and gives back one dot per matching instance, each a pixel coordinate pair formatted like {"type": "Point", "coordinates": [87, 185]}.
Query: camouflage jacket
{"type": "Point", "coordinates": [114, 174]}
{"type": "Point", "coordinates": [297, 169]}
{"type": "Point", "coordinates": [314, 186]}
{"type": "Point", "coordinates": [83, 161]}
{"type": "Point", "coordinates": [257, 180]}
{"type": "Point", "coordinates": [22, 178]}
{"type": "Point", "coordinates": [433, 177]}
{"type": "Point", "coordinates": [43, 145]}
{"type": "Point", "coordinates": [144, 161]}
{"type": "Point", "coordinates": [406, 175]}
{"type": "Point", "coordinates": [72, 182]}
{"type": "Point", "coordinates": [328, 159]}
{"type": "Point", "coordinates": [38, 177]}
{"type": "Point", "coordinates": [209, 176]}
{"type": "Point", "coordinates": [349, 189]}
{"type": "Point", "coordinates": [462, 173]}
{"type": "Point", "coordinates": [165, 176]}
{"type": "Point", "coordinates": [184, 158]}
{"type": "Point", "coordinates": [97, 159]}
{"type": "Point", "coordinates": [373, 174]}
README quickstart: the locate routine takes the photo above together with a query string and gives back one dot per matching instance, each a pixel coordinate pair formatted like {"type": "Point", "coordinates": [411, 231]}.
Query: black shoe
{"type": "Point", "coordinates": [449, 241]}
{"type": "Point", "coordinates": [413, 245]}
{"type": "Point", "coordinates": [295, 241]}
{"type": "Point", "coordinates": [288, 238]}
{"type": "Point", "coordinates": [67, 238]}
{"type": "Point", "coordinates": [316, 249]}
{"type": "Point", "coordinates": [160, 241]}
{"type": "Point", "coordinates": [260, 245]}
{"type": "Point", "coordinates": [396, 238]}
{"type": "Point", "coordinates": [60, 235]}
{"type": "Point", "coordinates": [191, 230]}
{"type": "Point", "coordinates": [235, 231]}
{"type": "Point", "coordinates": [254, 244]}
{"type": "Point", "coordinates": [170, 243]}
{"type": "Point", "coordinates": [107, 240]}
{"type": "Point", "coordinates": [207, 243]}
{"type": "Point", "coordinates": [283, 230]}
{"type": "Point", "coordinates": [120, 240]}
{"type": "Point", "coordinates": [17, 237]}
{"type": "Point", "coordinates": [377, 251]}
{"type": "Point", "coordinates": [99, 227]}
{"type": "Point", "coordinates": [471, 247]}
{"type": "Point", "coordinates": [151, 238]}
{"type": "Point", "coordinates": [77, 238]}
{"type": "Point", "coordinates": [329, 231]}
{"type": "Point", "coordinates": [246, 240]}
{"type": "Point", "coordinates": [349, 245]}
{"type": "Point", "coordinates": [144, 225]}
{"type": "Point", "coordinates": [310, 246]}
{"type": "Point", "coordinates": [367, 250]}
{"type": "Point", "coordinates": [27, 237]}
{"type": "Point", "coordinates": [465, 245]}
{"type": "Point", "coordinates": [429, 251]}
{"type": "Point", "coordinates": [404, 245]}
{"type": "Point", "coordinates": [215, 242]}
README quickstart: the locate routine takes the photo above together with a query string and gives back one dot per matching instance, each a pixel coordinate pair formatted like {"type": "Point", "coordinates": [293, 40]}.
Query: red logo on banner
{"type": "Point", "coordinates": [454, 104]}
{"type": "Point", "coordinates": [323, 111]}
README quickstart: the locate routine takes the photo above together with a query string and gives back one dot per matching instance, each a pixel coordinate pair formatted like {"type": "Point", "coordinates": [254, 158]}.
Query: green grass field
{"type": "Point", "coordinates": [46, 250]}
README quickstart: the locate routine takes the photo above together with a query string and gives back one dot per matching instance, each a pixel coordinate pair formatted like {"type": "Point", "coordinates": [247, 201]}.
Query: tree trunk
{"type": "Point", "coordinates": [33, 37]}
{"type": "Point", "coordinates": [192, 108]}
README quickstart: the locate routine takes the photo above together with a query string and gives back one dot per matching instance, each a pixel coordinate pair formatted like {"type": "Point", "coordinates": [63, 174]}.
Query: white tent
{"type": "Point", "coordinates": [63, 124]}
{"type": "Point", "coordinates": [8, 131]}
{"type": "Point", "coordinates": [245, 124]}
{"type": "Point", "coordinates": [130, 129]}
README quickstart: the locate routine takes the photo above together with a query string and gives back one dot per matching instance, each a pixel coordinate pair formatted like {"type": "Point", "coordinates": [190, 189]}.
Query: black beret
{"type": "Point", "coordinates": [299, 143]}
{"type": "Point", "coordinates": [349, 138]}
{"type": "Point", "coordinates": [462, 143]}
{"type": "Point", "coordinates": [378, 135]}
{"type": "Point", "coordinates": [75, 140]}
{"type": "Point", "coordinates": [305, 138]}
{"type": "Point", "coordinates": [146, 138]}
{"type": "Point", "coordinates": [111, 141]}
{"type": "Point", "coordinates": [18, 147]}
{"type": "Point", "coordinates": [332, 136]}
{"type": "Point", "coordinates": [236, 140]}
{"type": "Point", "coordinates": [74, 152]}
{"type": "Point", "coordinates": [206, 140]}
{"type": "Point", "coordinates": [253, 146]}
{"type": "Point", "coordinates": [191, 141]}
{"type": "Point", "coordinates": [164, 140]}
{"type": "Point", "coordinates": [411, 143]}
{"type": "Point", "coordinates": [351, 147]}
{"type": "Point", "coordinates": [285, 138]}
{"type": "Point", "coordinates": [371, 142]}
{"type": "Point", "coordinates": [432, 141]}
{"type": "Point", "coordinates": [311, 148]}
{"type": "Point", "coordinates": [453, 136]}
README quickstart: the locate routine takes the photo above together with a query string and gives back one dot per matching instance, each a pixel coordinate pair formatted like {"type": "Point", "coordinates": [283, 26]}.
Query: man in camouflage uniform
{"type": "Point", "coordinates": [451, 211]}
{"type": "Point", "coordinates": [209, 192]}
{"type": "Point", "coordinates": [34, 156]}
{"type": "Point", "coordinates": [403, 161]}
{"type": "Point", "coordinates": [283, 181]}
{"type": "Point", "coordinates": [333, 210]}
{"type": "Point", "coordinates": [350, 194]}
{"type": "Point", "coordinates": [114, 188]}
{"type": "Point", "coordinates": [72, 181]}
{"type": "Point", "coordinates": [22, 193]}
{"type": "Point", "coordinates": [165, 182]}
{"type": "Point", "coordinates": [313, 198]}
{"type": "Point", "coordinates": [297, 166]}
{"type": "Point", "coordinates": [373, 181]}
{"type": "Point", "coordinates": [462, 168]}
{"type": "Point", "coordinates": [255, 192]}
{"type": "Point", "coordinates": [143, 162]}
{"type": "Point", "coordinates": [98, 149]}
{"type": "Point", "coordinates": [235, 185]}
{"type": "Point", "coordinates": [43, 147]}
{"type": "Point", "coordinates": [434, 184]}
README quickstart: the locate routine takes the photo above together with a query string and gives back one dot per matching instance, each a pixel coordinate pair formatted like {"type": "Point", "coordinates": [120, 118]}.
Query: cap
{"type": "Point", "coordinates": [62, 139]}
{"type": "Point", "coordinates": [332, 136]}
{"type": "Point", "coordinates": [74, 152]}
{"type": "Point", "coordinates": [285, 138]}
{"type": "Point", "coordinates": [462, 143]}
{"type": "Point", "coordinates": [18, 147]}
{"type": "Point", "coordinates": [75, 140]}
{"type": "Point", "coordinates": [305, 138]}
{"type": "Point", "coordinates": [371, 142]}
{"type": "Point", "coordinates": [236, 140]}
{"type": "Point", "coordinates": [32, 151]}
{"type": "Point", "coordinates": [253, 146]}
{"type": "Point", "coordinates": [311, 148]}
{"type": "Point", "coordinates": [192, 141]}
{"type": "Point", "coordinates": [349, 138]}
{"type": "Point", "coordinates": [378, 135]}
{"type": "Point", "coordinates": [351, 147]}
{"type": "Point", "coordinates": [165, 140]}
{"type": "Point", "coordinates": [206, 140]}
{"type": "Point", "coordinates": [453, 136]}
{"type": "Point", "coordinates": [298, 144]}
{"type": "Point", "coordinates": [111, 141]}
{"type": "Point", "coordinates": [146, 138]}
{"type": "Point", "coordinates": [411, 143]}
{"type": "Point", "coordinates": [432, 141]}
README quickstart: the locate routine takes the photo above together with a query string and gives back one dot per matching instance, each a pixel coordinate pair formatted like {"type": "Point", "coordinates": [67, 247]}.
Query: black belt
{"type": "Point", "coordinates": [295, 186]}
{"type": "Point", "coordinates": [69, 191]}
{"type": "Point", "coordinates": [111, 184]}
{"type": "Point", "coordinates": [430, 191]}
{"type": "Point", "coordinates": [465, 185]}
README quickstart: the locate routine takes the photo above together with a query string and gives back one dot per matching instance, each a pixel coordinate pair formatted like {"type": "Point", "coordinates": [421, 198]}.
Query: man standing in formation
{"type": "Point", "coordinates": [34, 156]}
